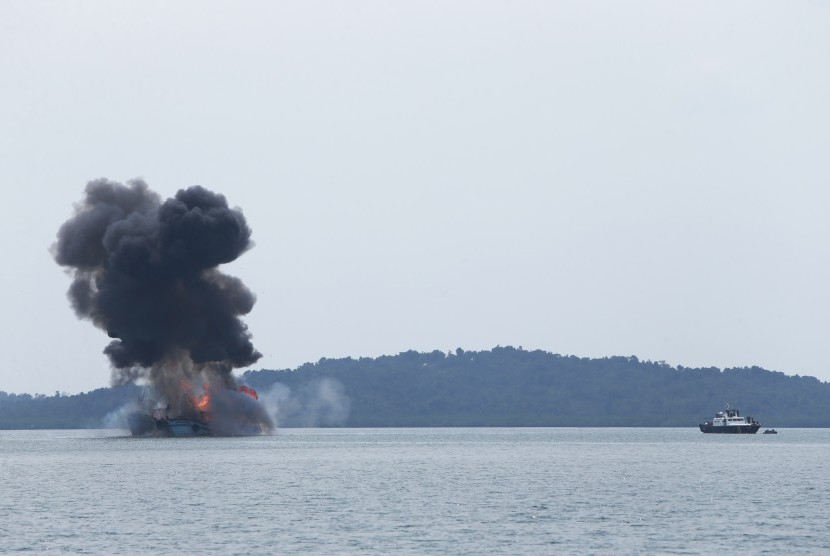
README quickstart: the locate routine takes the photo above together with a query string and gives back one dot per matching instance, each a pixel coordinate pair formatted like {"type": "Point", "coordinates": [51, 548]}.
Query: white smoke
{"type": "Point", "coordinates": [117, 419]}
{"type": "Point", "coordinates": [321, 403]}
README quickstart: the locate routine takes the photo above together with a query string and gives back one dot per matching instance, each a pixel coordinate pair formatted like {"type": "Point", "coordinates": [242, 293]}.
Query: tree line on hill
{"type": "Point", "coordinates": [504, 386]}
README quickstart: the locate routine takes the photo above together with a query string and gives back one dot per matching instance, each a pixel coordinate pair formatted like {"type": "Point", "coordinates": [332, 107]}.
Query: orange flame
{"type": "Point", "coordinates": [249, 391]}
{"type": "Point", "coordinates": [204, 402]}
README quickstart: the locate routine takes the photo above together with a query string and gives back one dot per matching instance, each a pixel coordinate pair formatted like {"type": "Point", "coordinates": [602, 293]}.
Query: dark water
{"type": "Point", "coordinates": [417, 491]}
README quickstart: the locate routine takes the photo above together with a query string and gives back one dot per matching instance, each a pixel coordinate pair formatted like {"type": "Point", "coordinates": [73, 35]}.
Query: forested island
{"type": "Point", "coordinates": [505, 386]}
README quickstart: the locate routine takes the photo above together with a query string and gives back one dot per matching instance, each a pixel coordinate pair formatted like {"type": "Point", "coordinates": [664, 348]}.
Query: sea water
{"type": "Point", "coordinates": [417, 491]}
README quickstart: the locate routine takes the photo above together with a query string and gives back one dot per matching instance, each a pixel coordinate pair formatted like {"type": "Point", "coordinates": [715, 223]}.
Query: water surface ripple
{"type": "Point", "coordinates": [417, 491]}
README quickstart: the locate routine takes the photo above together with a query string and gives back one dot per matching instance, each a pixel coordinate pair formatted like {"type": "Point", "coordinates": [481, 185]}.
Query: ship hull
{"type": "Point", "coordinates": [142, 424]}
{"type": "Point", "coordinates": [729, 429]}
{"type": "Point", "coordinates": [188, 427]}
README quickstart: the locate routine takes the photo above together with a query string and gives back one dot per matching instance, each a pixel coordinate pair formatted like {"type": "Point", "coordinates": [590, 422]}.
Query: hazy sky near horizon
{"type": "Point", "coordinates": [587, 178]}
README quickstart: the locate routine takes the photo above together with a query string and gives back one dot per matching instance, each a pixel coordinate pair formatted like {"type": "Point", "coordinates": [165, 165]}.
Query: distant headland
{"type": "Point", "coordinates": [504, 386]}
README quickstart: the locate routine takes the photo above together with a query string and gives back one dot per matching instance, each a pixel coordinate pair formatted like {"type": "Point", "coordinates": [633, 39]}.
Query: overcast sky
{"type": "Point", "coordinates": [587, 178]}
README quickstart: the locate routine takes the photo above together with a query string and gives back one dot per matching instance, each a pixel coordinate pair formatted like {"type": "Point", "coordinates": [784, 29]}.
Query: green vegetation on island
{"type": "Point", "coordinates": [504, 386]}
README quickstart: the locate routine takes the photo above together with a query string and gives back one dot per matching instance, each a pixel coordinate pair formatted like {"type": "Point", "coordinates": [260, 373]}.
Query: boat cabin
{"type": "Point", "coordinates": [730, 417]}
{"type": "Point", "coordinates": [730, 421]}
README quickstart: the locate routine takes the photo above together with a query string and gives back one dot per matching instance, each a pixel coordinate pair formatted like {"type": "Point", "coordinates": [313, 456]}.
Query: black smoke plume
{"type": "Point", "coordinates": [145, 271]}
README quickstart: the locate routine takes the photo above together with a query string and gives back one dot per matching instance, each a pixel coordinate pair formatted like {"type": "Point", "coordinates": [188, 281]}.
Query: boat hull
{"type": "Point", "coordinates": [188, 427]}
{"type": "Point", "coordinates": [729, 429]}
{"type": "Point", "coordinates": [142, 424]}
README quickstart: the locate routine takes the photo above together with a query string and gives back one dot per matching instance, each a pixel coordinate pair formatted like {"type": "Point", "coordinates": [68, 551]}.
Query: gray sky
{"type": "Point", "coordinates": [587, 178]}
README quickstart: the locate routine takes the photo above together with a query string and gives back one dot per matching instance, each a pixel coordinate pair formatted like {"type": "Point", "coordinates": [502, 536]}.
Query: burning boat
{"type": "Point", "coordinates": [144, 424]}
{"type": "Point", "coordinates": [146, 271]}
{"type": "Point", "coordinates": [197, 417]}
